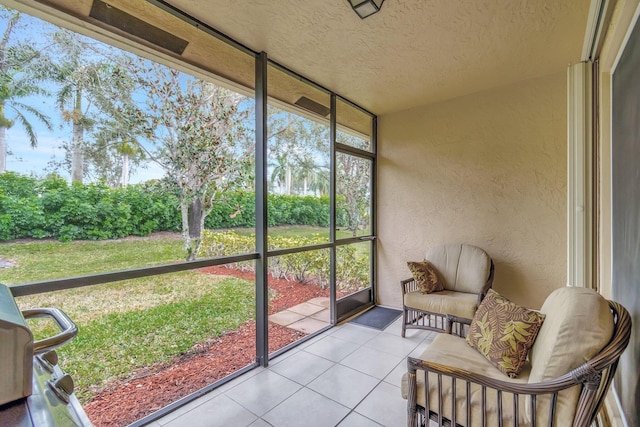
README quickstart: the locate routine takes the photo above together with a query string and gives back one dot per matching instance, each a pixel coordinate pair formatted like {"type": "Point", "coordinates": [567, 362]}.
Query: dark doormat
{"type": "Point", "coordinates": [377, 317]}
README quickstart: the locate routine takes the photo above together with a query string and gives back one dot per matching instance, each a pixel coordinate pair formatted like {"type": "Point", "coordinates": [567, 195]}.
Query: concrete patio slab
{"type": "Point", "coordinates": [306, 309]}
{"type": "Point", "coordinates": [308, 325]}
{"type": "Point", "coordinates": [323, 315]}
{"type": "Point", "coordinates": [321, 301]}
{"type": "Point", "coordinates": [285, 317]}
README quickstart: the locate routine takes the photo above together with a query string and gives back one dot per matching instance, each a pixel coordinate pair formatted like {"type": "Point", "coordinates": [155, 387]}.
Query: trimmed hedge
{"type": "Point", "coordinates": [52, 208]}
{"type": "Point", "coordinates": [238, 211]}
{"type": "Point", "coordinates": [39, 208]}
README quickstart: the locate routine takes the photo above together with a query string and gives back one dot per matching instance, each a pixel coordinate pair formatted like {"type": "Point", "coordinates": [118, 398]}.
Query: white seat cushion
{"type": "Point", "coordinates": [444, 302]}
{"type": "Point", "coordinates": [453, 351]}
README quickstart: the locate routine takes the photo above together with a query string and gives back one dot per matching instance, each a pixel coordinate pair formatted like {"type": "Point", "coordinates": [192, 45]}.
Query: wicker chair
{"type": "Point", "coordinates": [467, 272]}
{"type": "Point", "coordinates": [570, 368]}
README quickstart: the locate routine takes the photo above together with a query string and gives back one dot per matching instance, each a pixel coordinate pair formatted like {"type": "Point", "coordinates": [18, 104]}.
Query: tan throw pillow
{"type": "Point", "coordinates": [503, 332]}
{"type": "Point", "coordinates": [426, 276]}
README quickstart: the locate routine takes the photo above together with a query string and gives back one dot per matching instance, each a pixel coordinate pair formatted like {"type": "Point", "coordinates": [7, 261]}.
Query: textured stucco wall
{"type": "Point", "coordinates": [487, 169]}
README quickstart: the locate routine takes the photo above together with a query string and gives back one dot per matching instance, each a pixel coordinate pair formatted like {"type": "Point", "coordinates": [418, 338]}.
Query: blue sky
{"type": "Point", "coordinates": [36, 161]}
{"type": "Point", "coordinates": [22, 157]}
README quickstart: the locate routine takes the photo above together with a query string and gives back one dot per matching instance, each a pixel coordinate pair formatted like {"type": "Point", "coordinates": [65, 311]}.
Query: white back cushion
{"type": "Point", "coordinates": [464, 268]}
{"type": "Point", "coordinates": [578, 324]}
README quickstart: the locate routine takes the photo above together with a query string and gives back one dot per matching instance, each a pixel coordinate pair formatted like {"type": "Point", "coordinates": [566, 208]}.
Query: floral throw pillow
{"type": "Point", "coordinates": [426, 276]}
{"type": "Point", "coordinates": [503, 332]}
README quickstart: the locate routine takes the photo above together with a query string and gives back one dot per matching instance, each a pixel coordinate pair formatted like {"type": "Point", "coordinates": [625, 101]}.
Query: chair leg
{"type": "Point", "coordinates": [404, 322]}
{"type": "Point", "coordinates": [448, 324]}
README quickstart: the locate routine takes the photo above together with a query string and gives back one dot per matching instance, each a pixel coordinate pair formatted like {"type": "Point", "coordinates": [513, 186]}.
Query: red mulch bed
{"type": "Point", "coordinates": [148, 390]}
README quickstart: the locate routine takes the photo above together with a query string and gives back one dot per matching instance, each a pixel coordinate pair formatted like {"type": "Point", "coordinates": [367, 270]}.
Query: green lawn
{"type": "Point", "coordinates": [132, 324]}
{"type": "Point", "coordinates": [127, 325]}
{"type": "Point", "coordinates": [46, 260]}
{"type": "Point", "coordinates": [165, 330]}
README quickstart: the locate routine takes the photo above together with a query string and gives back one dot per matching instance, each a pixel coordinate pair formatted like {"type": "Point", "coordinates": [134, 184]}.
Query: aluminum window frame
{"type": "Point", "coordinates": [49, 13]}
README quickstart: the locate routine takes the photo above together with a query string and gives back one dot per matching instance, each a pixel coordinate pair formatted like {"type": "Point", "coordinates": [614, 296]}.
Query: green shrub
{"type": "Point", "coordinates": [237, 210]}
{"type": "Point", "coordinates": [20, 186]}
{"type": "Point", "coordinates": [304, 267]}
{"type": "Point", "coordinates": [225, 243]}
{"type": "Point", "coordinates": [298, 210]}
{"type": "Point", "coordinates": [5, 227]}
{"type": "Point", "coordinates": [50, 207]}
{"type": "Point", "coordinates": [353, 269]}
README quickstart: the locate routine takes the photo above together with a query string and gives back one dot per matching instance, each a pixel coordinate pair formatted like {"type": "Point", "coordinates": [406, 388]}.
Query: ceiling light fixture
{"type": "Point", "coordinates": [366, 8]}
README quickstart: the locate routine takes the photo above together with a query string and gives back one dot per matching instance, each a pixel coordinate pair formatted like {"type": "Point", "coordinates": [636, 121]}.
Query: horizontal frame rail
{"type": "Point", "coordinates": [97, 279]}
{"type": "Point", "coordinates": [357, 152]}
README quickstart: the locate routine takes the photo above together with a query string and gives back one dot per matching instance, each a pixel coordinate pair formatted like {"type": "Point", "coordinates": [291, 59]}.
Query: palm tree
{"type": "Point", "coordinates": [116, 139]}
{"type": "Point", "coordinates": [126, 149]}
{"type": "Point", "coordinates": [17, 82]}
{"type": "Point", "coordinates": [307, 172]}
{"type": "Point", "coordinates": [321, 182]}
{"type": "Point", "coordinates": [281, 173]}
{"type": "Point", "coordinates": [122, 124]}
{"type": "Point", "coordinates": [83, 76]}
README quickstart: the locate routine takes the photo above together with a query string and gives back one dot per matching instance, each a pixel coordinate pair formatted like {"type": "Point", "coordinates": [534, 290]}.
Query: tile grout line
{"type": "Point", "coordinates": [351, 410]}
{"type": "Point", "coordinates": [352, 332]}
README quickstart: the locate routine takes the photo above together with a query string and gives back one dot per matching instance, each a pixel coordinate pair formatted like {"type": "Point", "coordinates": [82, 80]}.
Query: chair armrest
{"type": "Point", "coordinates": [451, 319]}
{"type": "Point", "coordinates": [557, 384]}
{"type": "Point", "coordinates": [434, 403]}
{"type": "Point", "coordinates": [408, 285]}
{"type": "Point", "coordinates": [488, 284]}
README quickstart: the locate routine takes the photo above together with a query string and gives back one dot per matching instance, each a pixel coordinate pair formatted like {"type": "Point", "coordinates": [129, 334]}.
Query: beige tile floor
{"type": "Point", "coordinates": [348, 376]}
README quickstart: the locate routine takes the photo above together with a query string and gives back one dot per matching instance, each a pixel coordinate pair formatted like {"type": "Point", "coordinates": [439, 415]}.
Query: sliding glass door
{"type": "Point", "coordinates": [354, 225]}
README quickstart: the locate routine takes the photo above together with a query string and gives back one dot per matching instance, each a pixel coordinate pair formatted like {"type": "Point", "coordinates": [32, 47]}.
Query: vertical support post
{"type": "Point", "coordinates": [262, 298]}
{"type": "Point", "coordinates": [374, 206]}
{"type": "Point", "coordinates": [332, 211]}
{"type": "Point", "coordinates": [580, 176]}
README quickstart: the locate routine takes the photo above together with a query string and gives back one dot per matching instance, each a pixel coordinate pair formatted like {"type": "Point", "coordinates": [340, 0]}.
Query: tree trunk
{"type": "Point", "coordinates": [77, 156]}
{"type": "Point", "coordinates": [193, 223]}
{"type": "Point", "coordinates": [287, 181]}
{"type": "Point", "coordinates": [3, 149]}
{"type": "Point", "coordinates": [13, 20]}
{"type": "Point", "coordinates": [184, 210]}
{"type": "Point", "coordinates": [195, 216]}
{"type": "Point", "coordinates": [353, 217]}
{"type": "Point", "coordinates": [124, 179]}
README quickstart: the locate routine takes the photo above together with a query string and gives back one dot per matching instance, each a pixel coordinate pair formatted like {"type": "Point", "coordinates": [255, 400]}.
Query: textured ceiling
{"type": "Point", "coordinates": [413, 52]}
